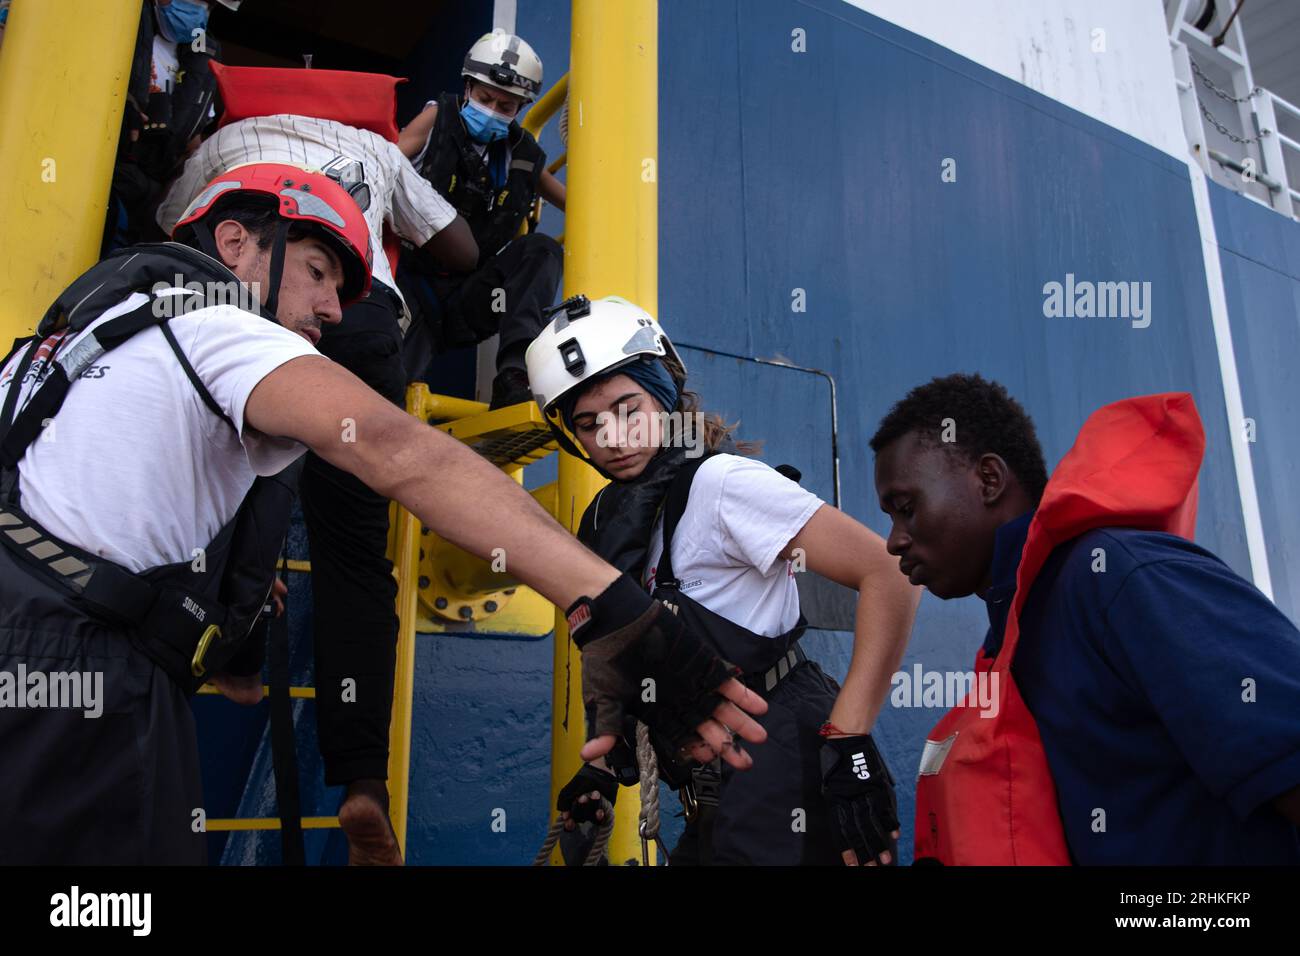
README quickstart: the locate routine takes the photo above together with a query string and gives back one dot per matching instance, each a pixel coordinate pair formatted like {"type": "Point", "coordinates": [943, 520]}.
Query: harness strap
{"type": "Point", "coordinates": [15, 384]}
{"type": "Point", "coordinates": [25, 427]}
{"type": "Point", "coordinates": [193, 376]}
{"type": "Point", "coordinates": [284, 756]}
{"type": "Point", "coordinates": [679, 493]}
{"type": "Point", "coordinates": [766, 681]}
{"type": "Point", "coordinates": [173, 619]}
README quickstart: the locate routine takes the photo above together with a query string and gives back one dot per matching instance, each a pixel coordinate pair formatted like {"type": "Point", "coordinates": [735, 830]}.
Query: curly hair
{"type": "Point", "coordinates": [717, 431]}
{"type": "Point", "coordinates": [984, 418]}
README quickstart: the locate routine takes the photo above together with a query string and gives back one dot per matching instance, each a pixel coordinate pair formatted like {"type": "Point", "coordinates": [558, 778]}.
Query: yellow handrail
{"type": "Point", "coordinates": [407, 564]}
{"type": "Point", "coordinates": [301, 693]}
{"type": "Point", "coordinates": [546, 107]}
{"type": "Point", "coordinates": [540, 114]}
{"type": "Point", "coordinates": [229, 824]}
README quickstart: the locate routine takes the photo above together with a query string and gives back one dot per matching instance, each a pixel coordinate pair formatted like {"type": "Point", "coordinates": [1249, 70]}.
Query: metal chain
{"type": "Point", "coordinates": [1222, 94]}
{"type": "Point", "coordinates": [1224, 130]}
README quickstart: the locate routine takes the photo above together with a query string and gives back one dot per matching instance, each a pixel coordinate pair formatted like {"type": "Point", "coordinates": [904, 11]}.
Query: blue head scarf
{"type": "Point", "coordinates": [648, 372]}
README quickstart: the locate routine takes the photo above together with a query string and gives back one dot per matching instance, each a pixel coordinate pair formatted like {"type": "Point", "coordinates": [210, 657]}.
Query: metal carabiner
{"type": "Point", "coordinates": [197, 667]}
{"type": "Point", "coordinates": [645, 844]}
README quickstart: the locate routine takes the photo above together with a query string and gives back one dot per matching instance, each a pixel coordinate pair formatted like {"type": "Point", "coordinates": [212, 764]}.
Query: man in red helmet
{"type": "Point", "coordinates": [140, 428]}
{"type": "Point", "coordinates": [353, 592]}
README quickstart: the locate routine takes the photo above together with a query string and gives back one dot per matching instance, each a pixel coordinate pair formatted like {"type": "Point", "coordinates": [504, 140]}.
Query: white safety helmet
{"type": "Point", "coordinates": [588, 339]}
{"type": "Point", "coordinates": [505, 61]}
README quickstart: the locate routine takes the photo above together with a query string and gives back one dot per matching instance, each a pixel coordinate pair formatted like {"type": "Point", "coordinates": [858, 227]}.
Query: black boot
{"type": "Point", "coordinates": [510, 387]}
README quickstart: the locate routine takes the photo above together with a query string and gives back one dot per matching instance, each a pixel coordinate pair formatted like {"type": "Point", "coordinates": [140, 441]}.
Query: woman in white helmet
{"type": "Point", "coordinates": [612, 388]}
{"type": "Point", "coordinates": [473, 151]}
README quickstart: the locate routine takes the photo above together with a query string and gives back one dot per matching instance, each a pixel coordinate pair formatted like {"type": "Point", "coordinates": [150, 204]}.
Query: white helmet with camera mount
{"type": "Point", "coordinates": [589, 339]}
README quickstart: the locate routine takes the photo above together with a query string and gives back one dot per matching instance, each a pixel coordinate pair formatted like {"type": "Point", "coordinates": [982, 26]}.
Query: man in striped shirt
{"type": "Point", "coordinates": [354, 623]}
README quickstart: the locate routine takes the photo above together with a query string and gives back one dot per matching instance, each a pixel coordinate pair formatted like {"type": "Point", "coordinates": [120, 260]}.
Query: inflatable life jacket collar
{"type": "Point", "coordinates": [133, 268]}
{"type": "Point", "coordinates": [1134, 464]}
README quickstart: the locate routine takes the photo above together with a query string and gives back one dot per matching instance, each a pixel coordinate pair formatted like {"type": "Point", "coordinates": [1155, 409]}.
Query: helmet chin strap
{"type": "Point", "coordinates": [278, 247]}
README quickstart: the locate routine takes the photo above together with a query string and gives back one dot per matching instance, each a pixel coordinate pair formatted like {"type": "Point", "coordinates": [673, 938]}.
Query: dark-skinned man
{"type": "Point", "coordinates": [1162, 688]}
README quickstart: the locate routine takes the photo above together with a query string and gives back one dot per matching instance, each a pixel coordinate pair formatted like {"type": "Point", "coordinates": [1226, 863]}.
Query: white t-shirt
{"type": "Point", "coordinates": [134, 467]}
{"type": "Point", "coordinates": [741, 514]}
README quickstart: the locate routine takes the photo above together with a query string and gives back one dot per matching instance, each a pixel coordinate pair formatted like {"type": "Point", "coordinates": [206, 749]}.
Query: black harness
{"type": "Point", "coordinates": [453, 166]}
{"type": "Point", "coordinates": [753, 653]}
{"type": "Point", "coordinates": [175, 116]}
{"type": "Point", "coordinates": [765, 661]}
{"type": "Point", "coordinates": [192, 617]}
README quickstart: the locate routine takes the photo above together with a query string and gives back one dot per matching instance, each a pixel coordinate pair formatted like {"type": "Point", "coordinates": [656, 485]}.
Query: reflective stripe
{"type": "Point", "coordinates": [69, 565]}
{"type": "Point", "coordinates": [23, 535]}
{"type": "Point", "coordinates": [933, 756]}
{"type": "Point", "coordinates": [45, 550]}
{"type": "Point", "coordinates": [774, 675]}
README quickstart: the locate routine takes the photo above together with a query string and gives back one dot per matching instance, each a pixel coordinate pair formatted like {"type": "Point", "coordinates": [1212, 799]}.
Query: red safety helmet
{"type": "Point", "coordinates": [303, 196]}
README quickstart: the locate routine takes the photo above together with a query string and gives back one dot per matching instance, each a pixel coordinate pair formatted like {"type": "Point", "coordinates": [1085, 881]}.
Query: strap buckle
{"type": "Point", "coordinates": [703, 789]}
{"type": "Point", "coordinates": [212, 633]}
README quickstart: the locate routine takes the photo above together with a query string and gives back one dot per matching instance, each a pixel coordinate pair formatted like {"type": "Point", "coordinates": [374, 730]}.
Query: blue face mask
{"type": "Point", "coordinates": [484, 125]}
{"type": "Point", "coordinates": [179, 19]}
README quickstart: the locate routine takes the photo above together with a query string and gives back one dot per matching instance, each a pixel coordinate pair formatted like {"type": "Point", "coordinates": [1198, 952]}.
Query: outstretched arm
{"type": "Point", "coordinates": [840, 548]}
{"type": "Point", "coordinates": [474, 505]}
{"type": "Point", "coordinates": [457, 493]}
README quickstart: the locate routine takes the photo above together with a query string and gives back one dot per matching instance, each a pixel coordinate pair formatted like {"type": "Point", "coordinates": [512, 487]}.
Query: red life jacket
{"type": "Point", "coordinates": [984, 791]}
{"type": "Point", "coordinates": [363, 100]}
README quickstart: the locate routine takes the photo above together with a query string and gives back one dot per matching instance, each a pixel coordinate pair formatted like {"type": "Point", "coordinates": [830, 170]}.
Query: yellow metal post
{"type": "Point", "coordinates": [407, 562]}
{"type": "Point", "coordinates": [611, 248]}
{"type": "Point", "coordinates": [63, 78]}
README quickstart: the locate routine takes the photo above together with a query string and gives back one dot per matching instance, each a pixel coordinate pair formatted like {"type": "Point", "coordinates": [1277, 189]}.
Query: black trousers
{"type": "Point", "coordinates": [773, 814]}
{"type": "Point", "coordinates": [111, 781]}
{"type": "Point", "coordinates": [506, 294]}
{"type": "Point", "coordinates": [353, 591]}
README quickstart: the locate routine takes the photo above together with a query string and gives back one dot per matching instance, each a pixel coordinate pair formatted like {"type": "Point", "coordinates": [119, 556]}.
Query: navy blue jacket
{"type": "Point", "coordinates": [1167, 692]}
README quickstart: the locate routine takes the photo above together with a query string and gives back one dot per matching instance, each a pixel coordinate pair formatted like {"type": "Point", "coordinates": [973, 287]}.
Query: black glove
{"type": "Point", "coordinates": [586, 780]}
{"type": "Point", "coordinates": [859, 790]}
{"type": "Point", "coordinates": [626, 637]}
